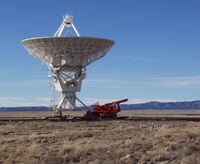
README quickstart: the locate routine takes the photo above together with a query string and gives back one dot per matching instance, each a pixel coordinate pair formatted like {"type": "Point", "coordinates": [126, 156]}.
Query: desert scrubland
{"type": "Point", "coordinates": [111, 141]}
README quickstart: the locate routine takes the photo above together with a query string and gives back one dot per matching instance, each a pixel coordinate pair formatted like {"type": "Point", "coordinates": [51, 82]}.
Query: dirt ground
{"type": "Point", "coordinates": [100, 142]}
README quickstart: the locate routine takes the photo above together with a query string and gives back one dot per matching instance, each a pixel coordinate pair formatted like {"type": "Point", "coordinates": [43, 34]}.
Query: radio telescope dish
{"type": "Point", "coordinates": [67, 57]}
{"type": "Point", "coordinates": [64, 52]}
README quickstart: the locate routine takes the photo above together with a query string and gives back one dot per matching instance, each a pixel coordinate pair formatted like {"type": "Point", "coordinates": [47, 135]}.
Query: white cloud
{"type": "Point", "coordinates": [139, 100]}
{"type": "Point", "coordinates": [154, 82]}
{"type": "Point", "coordinates": [21, 101]}
{"type": "Point", "coordinates": [21, 73]}
{"type": "Point", "coordinates": [45, 101]}
{"type": "Point", "coordinates": [91, 101]}
{"type": "Point", "coordinates": [38, 82]}
{"type": "Point", "coordinates": [112, 83]}
{"type": "Point", "coordinates": [176, 82]}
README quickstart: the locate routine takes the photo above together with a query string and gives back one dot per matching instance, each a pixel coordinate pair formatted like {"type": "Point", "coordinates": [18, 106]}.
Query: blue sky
{"type": "Point", "coordinates": [156, 55]}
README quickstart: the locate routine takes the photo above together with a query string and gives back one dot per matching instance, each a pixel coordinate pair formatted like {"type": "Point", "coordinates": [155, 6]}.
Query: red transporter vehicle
{"type": "Point", "coordinates": [109, 110]}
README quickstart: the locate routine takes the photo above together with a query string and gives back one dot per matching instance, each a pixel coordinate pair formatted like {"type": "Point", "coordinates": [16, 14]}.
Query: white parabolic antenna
{"type": "Point", "coordinates": [67, 57]}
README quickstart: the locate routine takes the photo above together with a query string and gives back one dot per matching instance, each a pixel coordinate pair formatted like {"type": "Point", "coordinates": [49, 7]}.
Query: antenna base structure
{"type": "Point", "coordinates": [67, 59]}
{"type": "Point", "coordinates": [67, 82]}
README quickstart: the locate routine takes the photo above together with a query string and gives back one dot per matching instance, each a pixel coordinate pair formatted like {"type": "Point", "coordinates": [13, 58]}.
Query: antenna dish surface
{"type": "Point", "coordinates": [67, 52]}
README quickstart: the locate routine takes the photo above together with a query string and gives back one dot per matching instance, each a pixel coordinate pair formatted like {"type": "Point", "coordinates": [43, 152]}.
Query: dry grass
{"type": "Point", "coordinates": [100, 142]}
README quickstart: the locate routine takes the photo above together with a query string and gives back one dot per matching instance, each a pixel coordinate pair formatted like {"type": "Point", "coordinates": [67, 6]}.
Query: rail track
{"type": "Point", "coordinates": [125, 118]}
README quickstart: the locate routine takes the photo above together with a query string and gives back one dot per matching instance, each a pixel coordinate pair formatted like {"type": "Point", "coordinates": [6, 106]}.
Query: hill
{"type": "Point", "coordinates": [186, 105]}
{"type": "Point", "coordinates": [154, 105]}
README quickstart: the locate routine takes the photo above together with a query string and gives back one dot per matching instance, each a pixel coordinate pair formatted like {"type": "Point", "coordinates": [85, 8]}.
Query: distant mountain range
{"type": "Point", "coordinates": [184, 105]}
{"type": "Point", "coordinates": [25, 109]}
{"type": "Point", "coordinates": [154, 105]}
